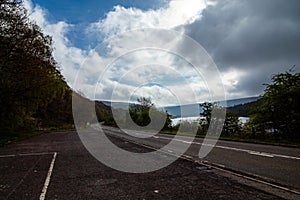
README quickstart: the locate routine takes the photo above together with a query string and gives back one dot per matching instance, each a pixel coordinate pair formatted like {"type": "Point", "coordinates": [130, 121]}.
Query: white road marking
{"type": "Point", "coordinates": [188, 157]}
{"type": "Point", "coordinates": [261, 154]}
{"type": "Point", "coordinates": [264, 154]}
{"type": "Point", "coordinates": [222, 167]}
{"type": "Point", "coordinates": [47, 181]}
{"type": "Point", "coordinates": [25, 154]}
{"type": "Point", "coordinates": [285, 156]}
{"type": "Point", "coordinates": [215, 166]}
{"type": "Point", "coordinates": [187, 142]}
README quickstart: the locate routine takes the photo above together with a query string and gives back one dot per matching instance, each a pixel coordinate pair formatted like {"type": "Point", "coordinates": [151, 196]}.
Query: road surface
{"type": "Point", "coordinates": [275, 163]}
{"type": "Point", "coordinates": [57, 166]}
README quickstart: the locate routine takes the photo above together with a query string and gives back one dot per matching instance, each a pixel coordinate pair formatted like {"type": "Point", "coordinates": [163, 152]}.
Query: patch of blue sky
{"type": "Point", "coordinates": [81, 13]}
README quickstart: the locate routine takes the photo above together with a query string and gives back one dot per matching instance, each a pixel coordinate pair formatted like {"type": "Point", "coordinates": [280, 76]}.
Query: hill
{"type": "Point", "coordinates": [193, 110]}
{"type": "Point", "coordinates": [244, 110]}
{"type": "Point", "coordinates": [190, 110]}
{"type": "Point", "coordinates": [33, 93]}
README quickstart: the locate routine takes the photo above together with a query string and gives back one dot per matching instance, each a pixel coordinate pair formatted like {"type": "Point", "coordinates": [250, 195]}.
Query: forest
{"type": "Point", "coordinates": [33, 93]}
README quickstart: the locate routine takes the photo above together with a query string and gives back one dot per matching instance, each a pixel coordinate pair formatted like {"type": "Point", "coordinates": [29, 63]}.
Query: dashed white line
{"type": "Point", "coordinates": [188, 157]}
{"type": "Point", "coordinates": [261, 154]}
{"type": "Point", "coordinates": [47, 181]}
{"type": "Point", "coordinates": [264, 154]}
{"type": "Point", "coordinates": [187, 142]}
{"type": "Point", "coordinates": [285, 156]}
{"type": "Point", "coordinates": [257, 153]}
{"type": "Point", "coordinates": [222, 167]}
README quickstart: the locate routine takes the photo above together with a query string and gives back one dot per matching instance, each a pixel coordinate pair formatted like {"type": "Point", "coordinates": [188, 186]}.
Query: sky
{"type": "Point", "coordinates": [173, 51]}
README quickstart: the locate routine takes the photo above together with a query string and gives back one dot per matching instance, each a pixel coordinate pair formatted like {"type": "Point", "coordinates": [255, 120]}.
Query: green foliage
{"type": "Point", "coordinates": [279, 112]}
{"type": "Point", "coordinates": [207, 109]}
{"type": "Point", "coordinates": [231, 125]}
{"type": "Point", "coordinates": [31, 87]}
{"type": "Point", "coordinates": [140, 113]}
{"type": "Point", "coordinates": [211, 113]}
{"type": "Point", "coordinates": [168, 123]}
{"type": "Point", "coordinates": [246, 109]}
{"type": "Point", "coordinates": [103, 111]}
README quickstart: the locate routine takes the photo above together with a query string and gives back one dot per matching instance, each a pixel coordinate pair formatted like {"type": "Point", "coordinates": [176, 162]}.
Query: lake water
{"type": "Point", "coordinates": [176, 121]}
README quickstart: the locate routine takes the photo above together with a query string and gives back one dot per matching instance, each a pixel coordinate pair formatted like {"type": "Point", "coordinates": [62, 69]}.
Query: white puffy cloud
{"type": "Point", "coordinates": [153, 72]}
{"type": "Point", "coordinates": [69, 58]}
{"type": "Point", "coordinates": [176, 13]}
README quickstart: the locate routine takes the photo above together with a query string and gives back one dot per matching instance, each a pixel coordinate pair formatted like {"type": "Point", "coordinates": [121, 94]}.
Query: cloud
{"type": "Point", "coordinates": [249, 40]}
{"type": "Point", "coordinates": [69, 58]}
{"type": "Point", "coordinates": [175, 13]}
{"type": "Point", "coordinates": [151, 78]}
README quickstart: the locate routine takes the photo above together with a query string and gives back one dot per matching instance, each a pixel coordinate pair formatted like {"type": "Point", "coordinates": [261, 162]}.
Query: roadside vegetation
{"type": "Point", "coordinates": [34, 96]}
{"type": "Point", "coordinates": [139, 114]}
{"type": "Point", "coordinates": [273, 119]}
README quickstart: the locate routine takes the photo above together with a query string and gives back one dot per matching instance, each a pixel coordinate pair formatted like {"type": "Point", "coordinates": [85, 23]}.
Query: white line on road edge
{"type": "Point", "coordinates": [47, 181]}
{"type": "Point", "coordinates": [25, 154]}
{"type": "Point", "coordinates": [219, 167]}
{"type": "Point", "coordinates": [264, 154]}
{"type": "Point", "coordinates": [215, 166]}
{"type": "Point", "coordinates": [257, 153]}
{"type": "Point", "coordinates": [261, 154]}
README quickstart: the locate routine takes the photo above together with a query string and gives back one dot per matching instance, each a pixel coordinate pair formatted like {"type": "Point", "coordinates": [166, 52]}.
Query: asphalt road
{"type": "Point", "coordinates": [57, 166]}
{"type": "Point", "coordinates": [277, 164]}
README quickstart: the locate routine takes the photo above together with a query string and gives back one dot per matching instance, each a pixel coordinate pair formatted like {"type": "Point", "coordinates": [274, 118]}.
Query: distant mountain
{"type": "Point", "coordinates": [234, 102]}
{"type": "Point", "coordinates": [193, 110]}
{"type": "Point", "coordinates": [122, 105]}
{"type": "Point", "coordinates": [188, 110]}
{"type": "Point", "coordinates": [246, 109]}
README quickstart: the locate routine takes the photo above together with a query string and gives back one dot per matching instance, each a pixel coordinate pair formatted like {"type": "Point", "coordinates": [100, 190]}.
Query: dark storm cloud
{"type": "Point", "coordinates": [251, 31]}
{"type": "Point", "coordinates": [261, 37]}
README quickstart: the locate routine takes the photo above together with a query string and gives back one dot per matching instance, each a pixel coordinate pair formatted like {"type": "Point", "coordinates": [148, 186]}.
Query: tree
{"type": "Point", "coordinates": [168, 123]}
{"type": "Point", "coordinates": [279, 112]}
{"type": "Point", "coordinates": [29, 76]}
{"type": "Point", "coordinates": [207, 109]}
{"type": "Point", "coordinates": [140, 114]}
{"type": "Point", "coordinates": [231, 124]}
